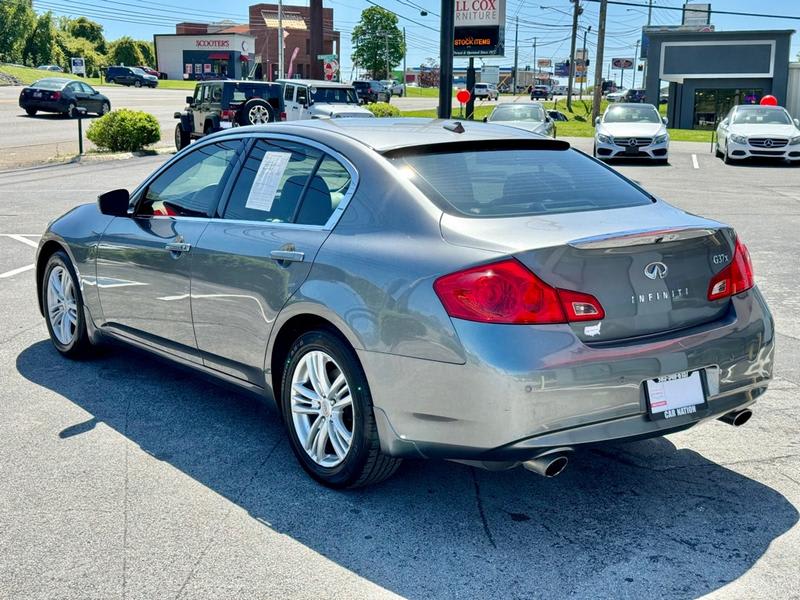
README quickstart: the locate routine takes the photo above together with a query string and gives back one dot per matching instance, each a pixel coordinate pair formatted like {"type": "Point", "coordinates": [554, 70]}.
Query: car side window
{"type": "Point", "coordinates": [284, 182]}
{"type": "Point", "coordinates": [302, 97]}
{"type": "Point", "coordinates": [75, 86]}
{"type": "Point", "coordinates": [215, 93]}
{"type": "Point", "coordinates": [87, 89]}
{"type": "Point", "coordinates": [198, 92]}
{"type": "Point", "coordinates": [192, 186]}
{"type": "Point", "coordinates": [288, 93]}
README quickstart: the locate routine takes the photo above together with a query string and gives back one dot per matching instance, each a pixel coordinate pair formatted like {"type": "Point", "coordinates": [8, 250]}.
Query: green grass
{"type": "Point", "coordinates": [28, 75]}
{"type": "Point", "coordinates": [579, 124]}
{"type": "Point", "coordinates": [420, 92]}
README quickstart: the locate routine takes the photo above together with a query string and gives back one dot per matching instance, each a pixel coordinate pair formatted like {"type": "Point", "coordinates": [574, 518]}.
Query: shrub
{"type": "Point", "coordinates": [383, 109]}
{"type": "Point", "coordinates": [124, 131]}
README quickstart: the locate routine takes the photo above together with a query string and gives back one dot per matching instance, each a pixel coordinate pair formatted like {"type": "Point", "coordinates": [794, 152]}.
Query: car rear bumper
{"type": "Point", "coordinates": [526, 389]}
{"type": "Point", "coordinates": [743, 151]}
{"type": "Point", "coordinates": [43, 105]}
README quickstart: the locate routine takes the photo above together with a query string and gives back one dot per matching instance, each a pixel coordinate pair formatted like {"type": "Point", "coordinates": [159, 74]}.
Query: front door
{"type": "Point", "coordinates": [144, 262]}
{"type": "Point", "coordinates": [198, 108]}
{"type": "Point", "coordinates": [248, 263]}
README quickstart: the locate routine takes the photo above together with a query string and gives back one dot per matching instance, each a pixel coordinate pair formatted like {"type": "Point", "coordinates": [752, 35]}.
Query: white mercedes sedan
{"type": "Point", "coordinates": [762, 131]}
{"type": "Point", "coordinates": [631, 131]}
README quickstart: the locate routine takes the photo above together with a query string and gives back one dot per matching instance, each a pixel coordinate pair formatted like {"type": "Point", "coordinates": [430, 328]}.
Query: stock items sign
{"type": "Point", "coordinates": [479, 28]}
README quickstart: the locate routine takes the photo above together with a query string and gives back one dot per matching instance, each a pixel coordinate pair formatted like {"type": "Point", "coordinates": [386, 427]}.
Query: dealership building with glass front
{"type": "Point", "coordinates": [709, 72]}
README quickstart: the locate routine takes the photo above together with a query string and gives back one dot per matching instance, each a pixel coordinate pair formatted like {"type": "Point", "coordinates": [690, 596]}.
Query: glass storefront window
{"type": "Point", "coordinates": [712, 105]}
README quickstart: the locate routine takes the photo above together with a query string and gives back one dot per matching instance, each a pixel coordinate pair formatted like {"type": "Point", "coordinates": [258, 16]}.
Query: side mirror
{"type": "Point", "coordinates": [665, 120]}
{"type": "Point", "coordinates": [114, 203]}
{"type": "Point", "coordinates": [597, 120]}
{"type": "Point", "coordinates": [796, 123]}
{"type": "Point", "coordinates": [189, 99]}
{"type": "Point", "coordinates": [485, 119]}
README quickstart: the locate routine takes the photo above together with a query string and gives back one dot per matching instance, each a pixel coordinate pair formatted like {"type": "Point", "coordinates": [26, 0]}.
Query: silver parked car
{"type": "Point", "coordinates": [530, 116]}
{"type": "Point", "coordinates": [631, 130]}
{"type": "Point", "coordinates": [418, 288]}
{"type": "Point", "coordinates": [758, 131]}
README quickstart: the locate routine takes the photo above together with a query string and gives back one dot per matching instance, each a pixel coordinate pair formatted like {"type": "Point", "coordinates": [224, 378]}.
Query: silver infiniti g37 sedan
{"type": "Point", "coordinates": [418, 288]}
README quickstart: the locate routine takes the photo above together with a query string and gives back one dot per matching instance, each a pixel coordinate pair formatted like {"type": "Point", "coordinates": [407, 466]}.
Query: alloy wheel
{"type": "Point", "coordinates": [258, 115]}
{"type": "Point", "coordinates": [322, 409]}
{"type": "Point", "coordinates": [104, 108]}
{"type": "Point", "coordinates": [62, 305]}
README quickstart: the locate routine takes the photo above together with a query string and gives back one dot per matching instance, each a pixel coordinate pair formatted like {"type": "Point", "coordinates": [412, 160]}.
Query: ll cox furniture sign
{"type": "Point", "coordinates": [480, 28]}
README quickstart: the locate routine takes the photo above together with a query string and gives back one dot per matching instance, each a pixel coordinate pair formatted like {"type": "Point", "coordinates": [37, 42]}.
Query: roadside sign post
{"type": "Point", "coordinates": [463, 97]}
{"type": "Point", "coordinates": [81, 113]}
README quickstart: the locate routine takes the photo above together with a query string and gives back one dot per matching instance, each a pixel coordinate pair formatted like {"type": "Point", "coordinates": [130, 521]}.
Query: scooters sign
{"type": "Point", "coordinates": [479, 28]}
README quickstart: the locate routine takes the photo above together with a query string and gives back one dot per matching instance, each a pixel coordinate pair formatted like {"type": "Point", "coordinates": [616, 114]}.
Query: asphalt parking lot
{"type": "Point", "coordinates": [124, 477]}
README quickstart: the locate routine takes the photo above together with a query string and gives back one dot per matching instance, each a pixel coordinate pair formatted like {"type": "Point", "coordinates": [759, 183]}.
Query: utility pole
{"type": "Point", "coordinates": [471, 88]}
{"type": "Point", "coordinates": [535, 66]}
{"type": "Point", "coordinates": [576, 11]}
{"type": "Point", "coordinates": [281, 71]}
{"type": "Point", "coordinates": [597, 96]}
{"type": "Point", "coordinates": [635, 63]}
{"type": "Point", "coordinates": [386, 52]}
{"type": "Point", "coordinates": [315, 45]}
{"type": "Point", "coordinates": [404, 61]}
{"type": "Point", "coordinates": [516, 53]}
{"type": "Point", "coordinates": [446, 42]}
{"type": "Point", "coordinates": [649, 18]}
{"type": "Point", "coordinates": [585, 54]}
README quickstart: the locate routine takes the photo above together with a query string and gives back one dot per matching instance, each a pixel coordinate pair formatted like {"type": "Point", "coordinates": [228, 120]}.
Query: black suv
{"type": "Point", "coordinates": [371, 91]}
{"type": "Point", "coordinates": [222, 104]}
{"type": "Point", "coordinates": [130, 76]}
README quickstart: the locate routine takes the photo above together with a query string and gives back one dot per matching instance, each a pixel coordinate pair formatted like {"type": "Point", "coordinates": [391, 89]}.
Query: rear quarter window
{"type": "Point", "coordinates": [516, 182]}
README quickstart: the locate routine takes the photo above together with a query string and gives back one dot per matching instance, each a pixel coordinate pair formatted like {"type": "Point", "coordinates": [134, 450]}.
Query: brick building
{"type": "Point", "coordinates": [297, 33]}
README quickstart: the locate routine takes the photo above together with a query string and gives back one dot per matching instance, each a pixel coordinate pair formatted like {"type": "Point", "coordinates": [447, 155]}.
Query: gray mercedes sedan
{"type": "Point", "coordinates": [418, 288]}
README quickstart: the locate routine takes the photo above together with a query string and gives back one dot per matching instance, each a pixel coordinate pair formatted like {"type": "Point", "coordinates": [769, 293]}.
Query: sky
{"type": "Point", "coordinates": [547, 21]}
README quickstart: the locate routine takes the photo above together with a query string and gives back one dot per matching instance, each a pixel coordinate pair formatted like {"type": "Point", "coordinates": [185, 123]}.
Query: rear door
{"type": "Point", "coordinates": [292, 107]}
{"type": "Point", "coordinates": [260, 248]}
{"type": "Point", "coordinates": [144, 261]}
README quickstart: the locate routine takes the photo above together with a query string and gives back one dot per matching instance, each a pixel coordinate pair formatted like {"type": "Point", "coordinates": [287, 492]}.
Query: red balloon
{"type": "Point", "coordinates": [463, 96]}
{"type": "Point", "coordinates": [769, 100]}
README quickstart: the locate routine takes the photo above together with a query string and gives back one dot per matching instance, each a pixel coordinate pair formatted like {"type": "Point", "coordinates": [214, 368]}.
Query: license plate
{"type": "Point", "coordinates": [37, 94]}
{"type": "Point", "coordinates": [676, 395]}
{"type": "Point", "coordinates": [225, 125]}
{"type": "Point", "coordinates": [632, 150]}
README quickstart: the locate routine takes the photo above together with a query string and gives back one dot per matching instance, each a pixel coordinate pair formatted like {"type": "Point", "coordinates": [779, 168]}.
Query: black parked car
{"type": "Point", "coordinates": [634, 95]}
{"type": "Point", "coordinates": [557, 115]}
{"type": "Point", "coordinates": [223, 104]}
{"type": "Point", "coordinates": [64, 96]}
{"type": "Point", "coordinates": [130, 76]}
{"type": "Point", "coordinates": [371, 91]}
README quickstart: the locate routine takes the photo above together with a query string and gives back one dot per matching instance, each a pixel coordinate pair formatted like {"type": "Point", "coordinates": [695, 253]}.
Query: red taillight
{"type": "Point", "coordinates": [55, 95]}
{"type": "Point", "coordinates": [227, 114]}
{"type": "Point", "coordinates": [507, 292]}
{"type": "Point", "coordinates": [734, 279]}
{"type": "Point", "coordinates": [283, 116]}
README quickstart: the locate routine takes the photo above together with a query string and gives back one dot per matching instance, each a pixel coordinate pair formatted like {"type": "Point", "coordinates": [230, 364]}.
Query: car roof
{"type": "Point", "coordinates": [247, 81]}
{"type": "Point", "coordinates": [499, 104]}
{"type": "Point", "coordinates": [387, 134]}
{"type": "Point", "coordinates": [610, 106]}
{"type": "Point", "coordinates": [315, 82]}
{"type": "Point", "coordinates": [61, 80]}
{"type": "Point", "coordinates": [767, 106]}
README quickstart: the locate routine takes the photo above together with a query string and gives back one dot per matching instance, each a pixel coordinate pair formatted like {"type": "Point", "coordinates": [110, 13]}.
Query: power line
{"type": "Point", "coordinates": [712, 11]}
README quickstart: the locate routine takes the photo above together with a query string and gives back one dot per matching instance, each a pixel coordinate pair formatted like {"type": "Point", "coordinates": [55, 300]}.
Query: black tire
{"type": "Point", "coordinates": [31, 112]}
{"type": "Point", "coordinates": [255, 112]}
{"type": "Point", "coordinates": [80, 345]}
{"type": "Point", "coordinates": [726, 158]}
{"type": "Point", "coordinates": [364, 464]}
{"type": "Point", "coordinates": [105, 108]}
{"type": "Point", "coordinates": [137, 83]}
{"type": "Point", "coordinates": [717, 151]}
{"type": "Point", "coordinates": [182, 138]}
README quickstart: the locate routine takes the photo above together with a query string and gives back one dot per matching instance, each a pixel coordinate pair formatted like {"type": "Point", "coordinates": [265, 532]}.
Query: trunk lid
{"type": "Point", "coordinates": [649, 278]}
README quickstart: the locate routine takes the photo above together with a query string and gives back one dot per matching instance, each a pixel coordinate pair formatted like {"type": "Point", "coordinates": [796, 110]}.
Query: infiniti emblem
{"type": "Point", "coordinates": [655, 270]}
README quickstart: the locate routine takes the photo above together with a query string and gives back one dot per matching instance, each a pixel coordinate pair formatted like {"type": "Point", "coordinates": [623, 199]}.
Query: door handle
{"type": "Point", "coordinates": [178, 247]}
{"type": "Point", "coordinates": [286, 256]}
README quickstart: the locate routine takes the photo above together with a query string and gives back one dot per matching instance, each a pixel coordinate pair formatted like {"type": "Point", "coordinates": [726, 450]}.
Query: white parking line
{"type": "Point", "coordinates": [22, 238]}
{"type": "Point", "coordinates": [694, 161]}
{"type": "Point", "coordinates": [16, 271]}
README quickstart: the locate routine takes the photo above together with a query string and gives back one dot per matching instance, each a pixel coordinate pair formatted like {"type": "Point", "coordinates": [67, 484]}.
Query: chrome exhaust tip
{"type": "Point", "coordinates": [737, 418]}
{"type": "Point", "coordinates": [548, 465]}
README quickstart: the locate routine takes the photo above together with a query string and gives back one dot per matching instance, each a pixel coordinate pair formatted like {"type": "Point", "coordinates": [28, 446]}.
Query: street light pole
{"type": "Point", "coordinates": [576, 11]}
{"type": "Point", "coordinates": [280, 40]}
{"type": "Point", "coordinates": [597, 96]}
{"type": "Point", "coordinates": [516, 55]}
{"type": "Point", "coordinates": [585, 54]}
{"type": "Point", "coordinates": [635, 63]}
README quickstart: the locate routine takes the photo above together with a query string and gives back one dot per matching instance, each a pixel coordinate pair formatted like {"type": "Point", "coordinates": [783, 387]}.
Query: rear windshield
{"type": "Point", "coordinates": [516, 182]}
{"type": "Point", "coordinates": [49, 84]}
{"type": "Point", "coordinates": [242, 92]}
{"type": "Point", "coordinates": [331, 95]}
{"type": "Point", "coordinates": [520, 112]}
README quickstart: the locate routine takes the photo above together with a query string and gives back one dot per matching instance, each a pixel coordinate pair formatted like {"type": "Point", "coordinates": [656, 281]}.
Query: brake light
{"type": "Point", "coordinates": [55, 95]}
{"type": "Point", "coordinates": [227, 114]}
{"type": "Point", "coordinates": [283, 116]}
{"type": "Point", "coordinates": [507, 292]}
{"type": "Point", "coordinates": [734, 279]}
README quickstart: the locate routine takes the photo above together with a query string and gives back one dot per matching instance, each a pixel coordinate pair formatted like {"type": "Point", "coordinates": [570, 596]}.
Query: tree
{"type": "Point", "coordinates": [17, 20]}
{"type": "Point", "coordinates": [378, 42]}
{"type": "Point", "coordinates": [88, 30]}
{"type": "Point", "coordinates": [125, 51]}
{"type": "Point", "coordinates": [83, 48]}
{"type": "Point", "coordinates": [42, 46]}
{"type": "Point", "coordinates": [148, 53]}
